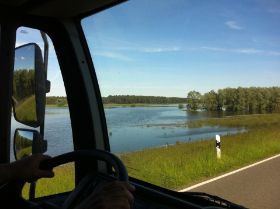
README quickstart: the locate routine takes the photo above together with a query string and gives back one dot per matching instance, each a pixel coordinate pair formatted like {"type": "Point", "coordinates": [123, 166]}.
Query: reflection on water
{"type": "Point", "coordinates": [131, 128]}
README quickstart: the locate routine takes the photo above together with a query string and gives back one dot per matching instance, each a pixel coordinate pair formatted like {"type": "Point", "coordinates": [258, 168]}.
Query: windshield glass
{"type": "Point", "coordinates": [191, 92]}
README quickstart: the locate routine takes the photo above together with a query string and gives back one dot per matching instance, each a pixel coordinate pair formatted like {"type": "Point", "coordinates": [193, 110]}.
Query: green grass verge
{"type": "Point", "coordinates": [26, 110]}
{"type": "Point", "coordinates": [185, 164]}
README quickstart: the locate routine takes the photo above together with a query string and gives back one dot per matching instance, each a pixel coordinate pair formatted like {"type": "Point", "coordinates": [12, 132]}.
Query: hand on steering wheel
{"type": "Point", "coordinates": [102, 194]}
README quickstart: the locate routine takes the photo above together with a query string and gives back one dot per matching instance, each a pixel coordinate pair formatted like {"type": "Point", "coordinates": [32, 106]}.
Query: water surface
{"type": "Point", "coordinates": [136, 128]}
{"type": "Point", "coordinates": [132, 128]}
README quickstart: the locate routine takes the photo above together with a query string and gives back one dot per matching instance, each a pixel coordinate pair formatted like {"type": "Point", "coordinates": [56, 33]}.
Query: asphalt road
{"type": "Point", "coordinates": [257, 187]}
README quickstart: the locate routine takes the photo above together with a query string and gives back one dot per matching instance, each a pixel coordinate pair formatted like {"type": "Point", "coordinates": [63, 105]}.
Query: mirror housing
{"type": "Point", "coordinates": [28, 142]}
{"type": "Point", "coordinates": [29, 85]}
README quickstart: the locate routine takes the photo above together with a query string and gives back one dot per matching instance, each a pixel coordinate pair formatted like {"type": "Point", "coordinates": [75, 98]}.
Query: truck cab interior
{"type": "Point", "coordinates": [61, 22]}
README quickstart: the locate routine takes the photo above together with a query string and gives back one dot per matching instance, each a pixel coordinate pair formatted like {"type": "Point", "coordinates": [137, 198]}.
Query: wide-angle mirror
{"type": "Point", "coordinates": [29, 85]}
{"type": "Point", "coordinates": [28, 142]}
{"type": "Point", "coordinates": [23, 144]}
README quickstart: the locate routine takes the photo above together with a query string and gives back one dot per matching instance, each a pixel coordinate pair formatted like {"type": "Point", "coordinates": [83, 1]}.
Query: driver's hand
{"type": "Point", "coordinates": [28, 169]}
{"type": "Point", "coordinates": [113, 195]}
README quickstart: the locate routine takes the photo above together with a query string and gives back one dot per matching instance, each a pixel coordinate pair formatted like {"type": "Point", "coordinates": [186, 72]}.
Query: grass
{"type": "Point", "coordinates": [63, 181]}
{"type": "Point", "coordinates": [247, 121]}
{"type": "Point", "coordinates": [24, 152]}
{"type": "Point", "coordinates": [185, 164]}
{"type": "Point", "coordinates": [56, 105]}
{"type": "Point", "coordinates": [26, 110]}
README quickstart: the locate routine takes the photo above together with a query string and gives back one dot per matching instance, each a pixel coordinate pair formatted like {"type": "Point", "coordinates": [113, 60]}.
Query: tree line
{"type": "Point", "coordinates": [122, 99]}
{"type": "Point", "coordinates": [57, 100]}
{"type": "Point", "coordinates": [253, 99]}
{"type": "Point", "coordinates": [23, 83]}
{"type": "Point", "coordinates": [132, 99]}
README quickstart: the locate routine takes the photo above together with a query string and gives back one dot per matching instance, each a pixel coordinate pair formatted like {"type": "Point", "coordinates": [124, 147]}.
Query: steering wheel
{"type": "Point", "coordinates": [108, 157]}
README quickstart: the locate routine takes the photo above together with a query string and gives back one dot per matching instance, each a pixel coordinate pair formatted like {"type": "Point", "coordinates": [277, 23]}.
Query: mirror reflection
{"type": "Point", "coordinates": [24, 85]}
{"type": "Point", "coordinates": [23, 143]}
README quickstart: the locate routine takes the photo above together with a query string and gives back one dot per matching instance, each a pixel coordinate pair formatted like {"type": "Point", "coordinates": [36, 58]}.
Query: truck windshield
{"type": "Point", "coordinates": [191, 92]}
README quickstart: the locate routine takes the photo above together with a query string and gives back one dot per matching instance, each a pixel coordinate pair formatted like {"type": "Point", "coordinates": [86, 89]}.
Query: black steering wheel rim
{"type": "Point", "coordinates": [95, 154]}
{"type": "Point", "coordinates": [78, 155]}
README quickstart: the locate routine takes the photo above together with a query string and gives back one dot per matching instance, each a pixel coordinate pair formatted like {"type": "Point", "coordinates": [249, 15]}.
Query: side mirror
{"type": "Point", "coordinates": [29, 85]}
{"type": "Point", "coordinates": [28, 142]}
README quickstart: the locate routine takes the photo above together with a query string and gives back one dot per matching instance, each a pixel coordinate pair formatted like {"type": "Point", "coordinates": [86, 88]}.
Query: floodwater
{"type": "Point", "coordinates": [132, 128]}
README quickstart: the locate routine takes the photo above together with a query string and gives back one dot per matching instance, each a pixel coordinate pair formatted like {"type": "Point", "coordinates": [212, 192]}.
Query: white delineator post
{"type": "Point", "coordinates": [218, 146]}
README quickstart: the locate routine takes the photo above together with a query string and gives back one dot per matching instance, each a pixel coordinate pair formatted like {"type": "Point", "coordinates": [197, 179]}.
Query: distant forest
{"type": "Point", "coordinates": [123, 99]}
{"type": "Point", "coordinates": [57, 101]}
{"type": "Point", "coordinates": [128, 99]}
{"type": "Point", "coordinates": [253, 99]}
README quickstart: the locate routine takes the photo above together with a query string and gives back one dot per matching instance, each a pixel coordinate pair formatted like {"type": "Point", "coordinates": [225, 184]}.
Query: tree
{"type": "Point", "coordinates": [194, 100]}
{"type": "Point", "coordinates": [211, 101]}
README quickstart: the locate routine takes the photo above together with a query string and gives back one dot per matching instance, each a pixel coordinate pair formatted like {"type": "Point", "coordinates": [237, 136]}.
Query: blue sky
{"type": "Point", "coordinates": [28, 35]}
{"type": "Point", "coordinates": [170, 47]}
{"type": "Point", "coordinates": [24, 58]}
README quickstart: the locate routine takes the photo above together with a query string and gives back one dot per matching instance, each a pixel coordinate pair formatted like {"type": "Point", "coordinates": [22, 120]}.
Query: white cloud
{"type": "Point", "coordinates": [273, 53]}
{"type": "Point", "coordinates": [120, 52]}
{"type": "Point", "coordinates": [248, 51]}
{"type": "Point", "coordinates": [22, 58]}
{"type": "Point", "coordinates": [274, 10]}
{"type": "Point", "coordinates": [113, 55]}
{"type": "Point", "coordinates": [142, 49]}
{"type": "Point", "coordinates": [160, 50]}
{"type": "Point", "coordinates": [213, 48]}
{"type": "Point", "coordinates": [233, 25]}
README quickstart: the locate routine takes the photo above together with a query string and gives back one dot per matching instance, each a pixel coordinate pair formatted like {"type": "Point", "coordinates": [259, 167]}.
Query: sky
{"type": "Point", "coordinates": [29, 35]}
{"type": "Point", "coordinates": [170, 47]}
{"type": "Point", "coordinates": [25, 58]}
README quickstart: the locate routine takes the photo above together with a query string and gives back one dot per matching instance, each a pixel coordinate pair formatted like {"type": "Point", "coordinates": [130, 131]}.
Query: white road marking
{"type": "Point", "coordinates": [228, 174]}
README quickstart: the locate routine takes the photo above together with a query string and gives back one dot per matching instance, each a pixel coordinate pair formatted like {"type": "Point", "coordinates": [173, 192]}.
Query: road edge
{"type": "Point", "coordinates": [228, 174]}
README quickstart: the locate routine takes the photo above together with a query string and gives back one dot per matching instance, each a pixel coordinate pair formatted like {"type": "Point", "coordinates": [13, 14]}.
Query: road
{"type": "Point", "coordinates": [257, 187]}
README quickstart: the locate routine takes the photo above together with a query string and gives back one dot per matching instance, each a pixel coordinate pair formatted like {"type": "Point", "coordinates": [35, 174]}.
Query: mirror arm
{"type": "Point", "coordinates": [46, 57]}
{"type": "Point", "coordinates": [48, 86]}
{"type": "Point", "coordinates": [46, 51]}
{"type": "Point", "coordinates": [39, 145]}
